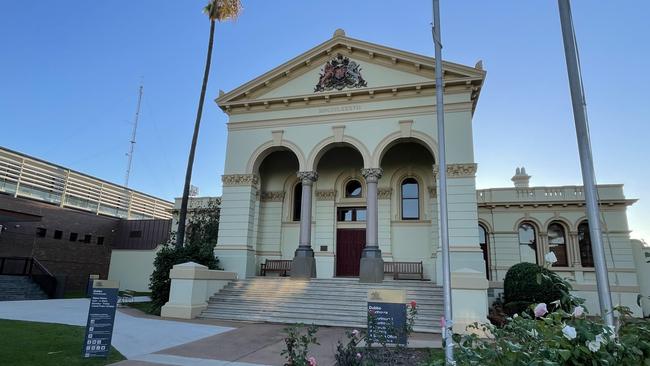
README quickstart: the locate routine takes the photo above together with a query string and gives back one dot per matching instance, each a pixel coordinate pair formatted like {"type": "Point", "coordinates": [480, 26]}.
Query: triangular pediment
{"type": "Point", "coordinates": [343, 65]}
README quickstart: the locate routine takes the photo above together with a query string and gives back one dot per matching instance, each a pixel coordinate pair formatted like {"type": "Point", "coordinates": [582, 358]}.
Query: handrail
{"type": "Point", "coordinates": [32, 267]}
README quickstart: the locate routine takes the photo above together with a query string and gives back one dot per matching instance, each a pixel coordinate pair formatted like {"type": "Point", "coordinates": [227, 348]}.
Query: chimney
{"type": "Point", "coordinates": [521, 179]}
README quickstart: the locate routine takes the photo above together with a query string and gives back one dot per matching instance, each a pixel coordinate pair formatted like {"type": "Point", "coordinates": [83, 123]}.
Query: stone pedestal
{"type": "Point", "coordinates": [192, 285]}
{"type": "Point", "coordinates": [469, 298]}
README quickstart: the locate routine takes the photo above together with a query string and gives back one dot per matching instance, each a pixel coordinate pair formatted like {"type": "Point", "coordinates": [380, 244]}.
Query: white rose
{"type": "Point", "coordinates": [578, 311]}
{"type": "Point", "coordinates": [601, 339]}
{"type": "Point", "coordinates": [569, 332]}
{"type": "Point", "coordinates": [550, 257]}
{"type": "Point", "coordinates": [593, 346]}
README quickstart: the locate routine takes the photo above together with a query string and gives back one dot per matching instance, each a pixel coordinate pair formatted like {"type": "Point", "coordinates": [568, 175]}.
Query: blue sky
{"type": "Point", "coordinates": [69, 74]}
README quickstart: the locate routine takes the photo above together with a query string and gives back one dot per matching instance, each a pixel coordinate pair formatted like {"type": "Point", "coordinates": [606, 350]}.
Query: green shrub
{"type": "Point", "coordinates": [529, 283]}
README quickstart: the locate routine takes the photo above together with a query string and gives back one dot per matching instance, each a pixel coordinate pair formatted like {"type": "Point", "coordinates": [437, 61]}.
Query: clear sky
{"type": "Point", "coordinates": [70, 70]}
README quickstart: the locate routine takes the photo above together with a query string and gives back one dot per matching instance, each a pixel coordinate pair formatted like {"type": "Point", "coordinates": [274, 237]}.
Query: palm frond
{"type": "Point", "coordinates": [221, 10]}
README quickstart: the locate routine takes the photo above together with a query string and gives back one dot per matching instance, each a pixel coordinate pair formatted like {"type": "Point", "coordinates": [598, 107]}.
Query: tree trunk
{"type": "Point", "coordinates": [180, 237]}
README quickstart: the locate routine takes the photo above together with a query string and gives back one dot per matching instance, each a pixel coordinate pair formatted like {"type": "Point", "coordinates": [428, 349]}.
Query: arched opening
{"type": "Point", "coordinates": [278, 199]}
{"type": "Point", "coordinates": [557, 243]}
{"type": "Point", "coordinates": [483, 242]}
{"type": "Point", "coordinates": [527, 242]}
{"type": "Point", "coordinates": [353, 189]}
{"type": "Point", "coordinates": [584, 242]}
{"type": "Point", "coordinates": [410, 199]}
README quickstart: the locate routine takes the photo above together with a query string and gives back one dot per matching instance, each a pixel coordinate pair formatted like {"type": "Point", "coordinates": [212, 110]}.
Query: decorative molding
{"type": "Point", "coordinates": [372, 174]}
{"type": "Point", "coordinates": [308, 178]}
{"type": "Point", "coordinates": [458, 170]}
{"type": "Point", "coordinates": [384, 193]}
{"type": "Point", "coordinates": [240, 180]}
{"type": "Point", "coordinates": [433, 192]}
{"type": "Point", "coordinates": [326, 195]}
{"type": "Point", "coordinates": [272, 196]}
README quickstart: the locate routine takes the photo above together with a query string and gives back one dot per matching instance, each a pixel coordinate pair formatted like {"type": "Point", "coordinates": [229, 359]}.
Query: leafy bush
{"type": "Point", "coordinates": [202, 231]}
{"type": "Point", "coordinates": [557, 338]}
{"type": "Point", "coordinates": [529, 283]}
{"type": "Point", "coordinates": [297, 345]}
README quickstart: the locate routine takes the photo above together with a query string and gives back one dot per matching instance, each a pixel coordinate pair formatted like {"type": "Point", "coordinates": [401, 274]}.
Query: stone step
{"type": "Point", "coordinates": [337, 282]}
{"type": "Point", "coordinates": [337, 289]}
{"type": "Point", "coordinates": [19, 288]}
{"type": "Point", "coordinates": [358, 309]}
{"type": "Point", "coordinates": [346, 303]}
{"type": "Point", "coordinates": [322, 294]}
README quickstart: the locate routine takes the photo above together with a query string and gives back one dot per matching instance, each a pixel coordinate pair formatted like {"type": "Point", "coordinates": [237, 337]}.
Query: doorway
{"type": "Point", "coordinates": [349, 245]}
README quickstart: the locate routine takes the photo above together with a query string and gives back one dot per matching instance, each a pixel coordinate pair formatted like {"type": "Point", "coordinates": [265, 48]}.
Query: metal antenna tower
{"type": "Point", "coordinates": [132, 147]}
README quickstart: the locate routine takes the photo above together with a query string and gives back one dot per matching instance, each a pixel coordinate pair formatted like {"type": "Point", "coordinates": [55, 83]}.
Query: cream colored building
{"type": "Point", "coordinates": [332, 156]}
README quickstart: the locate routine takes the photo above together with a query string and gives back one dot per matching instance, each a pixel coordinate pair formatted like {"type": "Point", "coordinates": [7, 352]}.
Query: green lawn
{"type": "Point", "coordinates": [43, 344]}
{"type": "Point", "coordinates": [145, 307]}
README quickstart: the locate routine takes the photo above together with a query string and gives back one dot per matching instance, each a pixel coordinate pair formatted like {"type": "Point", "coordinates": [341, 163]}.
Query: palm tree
{"type": "Point", "coordinates": [216, 10]}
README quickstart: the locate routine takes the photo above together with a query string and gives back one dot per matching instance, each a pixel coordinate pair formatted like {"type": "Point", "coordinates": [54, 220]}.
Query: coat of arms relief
{"type": "Point", "coordinates": [338, 73]}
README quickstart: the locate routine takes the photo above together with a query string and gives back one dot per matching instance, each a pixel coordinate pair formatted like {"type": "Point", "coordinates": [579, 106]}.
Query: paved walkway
{"type": "Point", "coordinates": [147, 340]}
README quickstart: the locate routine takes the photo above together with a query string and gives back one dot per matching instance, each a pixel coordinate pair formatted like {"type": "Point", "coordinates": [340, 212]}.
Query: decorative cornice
{"type": "Point", "coordinates": [384, 193]}
{"type": "Point", "coordinates": [272, 196]}
{"type": "Point", "coordinates": [240, 180]}
{"type": "Point", "coordinates": [325, 195]}
{"type": "Point", "coordinates": [372, 174]}
{"type": "Point", "coordinates": [458, 170]}
{"type": "Point", "coordinates": [308, 177]}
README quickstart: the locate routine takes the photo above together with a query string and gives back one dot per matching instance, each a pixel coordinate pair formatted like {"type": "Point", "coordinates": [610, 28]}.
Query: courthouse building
{"type": "Point", "coordinates": [332, 162]}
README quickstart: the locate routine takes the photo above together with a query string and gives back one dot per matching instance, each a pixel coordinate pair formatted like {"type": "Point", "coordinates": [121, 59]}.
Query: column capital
{"type": "Point", "coordinates": [308, 177]}
{"type": "Point", "coordinates": [372, 174]}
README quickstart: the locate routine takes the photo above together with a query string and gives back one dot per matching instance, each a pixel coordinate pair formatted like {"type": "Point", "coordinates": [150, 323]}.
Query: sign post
{"type": "Point", "coordinates": [89, 285]}
{"type": "Point", "coordinates": [387, 316]}
{"type": "Point", "coordinates": [101, 316]}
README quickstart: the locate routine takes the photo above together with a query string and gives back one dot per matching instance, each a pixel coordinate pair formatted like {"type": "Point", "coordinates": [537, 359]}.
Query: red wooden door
{"type": "Point", "coordinates": [349, 244]}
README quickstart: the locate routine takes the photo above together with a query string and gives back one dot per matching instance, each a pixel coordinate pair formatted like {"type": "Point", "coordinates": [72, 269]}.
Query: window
{"type": "Point", "coordinates": [135, 234]}
{"type": "Point", "coordinates": [58, 234]}
{"type": "Point", "coordinates": [584, 242]}
{"type": "Point", "coordinates": [483, 242]}
{"type": "Point", "coordinates": [73, 236]}
{"type": "Point", "coordinates": [527, 243]}
{"type": "Point", "coordinates": [557, 244]}
{"type": "Point", "coordinates": [410, 199]}
{"type": "Point", "coordinates": [350, 214]}
{"type": "Point", "coordinates": [41, 232]}
{"type": "Point", "coordinates": [297, 201]}
{"type": "Point", "coordinates": [87, 238]}
{"type": "Point", "coordinates": [353, 189]}
{"type": "Point", "coordinates": [100, 240]}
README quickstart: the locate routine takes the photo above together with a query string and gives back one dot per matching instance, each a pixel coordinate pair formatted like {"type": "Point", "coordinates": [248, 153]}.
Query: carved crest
{"type": "Point", "coordinates": [340, 72]}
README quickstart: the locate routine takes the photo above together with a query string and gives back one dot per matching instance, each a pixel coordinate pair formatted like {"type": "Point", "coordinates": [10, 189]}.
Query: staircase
{"type": "Point", "coordinates": [333, 302]}
{"type": "Point", "coordinates": [20, 288]}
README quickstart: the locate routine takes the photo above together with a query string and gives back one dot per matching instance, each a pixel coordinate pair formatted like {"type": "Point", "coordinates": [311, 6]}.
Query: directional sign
{"type": "Point", "coordinates": [387, 316]}
{"type": "Point", "coordinates": [101, 316]}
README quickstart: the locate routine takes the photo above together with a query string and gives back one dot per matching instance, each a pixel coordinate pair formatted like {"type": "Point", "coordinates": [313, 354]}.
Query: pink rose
{"type": "Point", "coordinates": [358, 356]}
{"type": "Point", "coordinates": [311, 361]}
{"type": "Point", "coordinates": [355, 333]}
{"type": "Point", "coordinates": [540, 310]}
{"type": "Point", "coordinates": [578, 311]}
{"type": "Point", "coordinates": [413, 304]}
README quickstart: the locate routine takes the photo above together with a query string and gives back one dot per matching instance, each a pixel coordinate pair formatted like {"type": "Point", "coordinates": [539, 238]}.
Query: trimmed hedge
{"type": "Point", "coordinates": [529, 283]}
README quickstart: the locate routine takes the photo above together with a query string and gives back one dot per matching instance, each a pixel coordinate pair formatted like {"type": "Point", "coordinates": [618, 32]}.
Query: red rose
{"type": "Point", "coordinates": [413, 304]}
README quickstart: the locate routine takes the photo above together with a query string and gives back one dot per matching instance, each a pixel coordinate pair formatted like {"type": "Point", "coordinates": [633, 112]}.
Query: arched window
{"type": "Point", "coordinates": [527, 243]}
{"type": "Point", "coordinates": [483, 241]}
{"type": "Point", "coordinates": [410, 199]}
{"type": "Point", "coordinates": [297, 201]}
{"type": "Point", "coordinates": [584, 242]}
{"type": "Point", "coordinates": [353, 189]}
{"type": "Point", "coordinates": [557, 243]}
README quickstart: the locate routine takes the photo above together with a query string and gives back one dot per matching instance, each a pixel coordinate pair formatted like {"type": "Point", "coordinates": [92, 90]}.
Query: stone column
{"type": "Point", "coordinates": [304, 265]}
{"type": "Point", "coordinates": [371, 268]}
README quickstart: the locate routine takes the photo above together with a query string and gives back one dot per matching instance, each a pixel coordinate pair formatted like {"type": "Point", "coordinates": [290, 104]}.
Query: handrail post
{"type": "Point", "coordinates": [25, 265]}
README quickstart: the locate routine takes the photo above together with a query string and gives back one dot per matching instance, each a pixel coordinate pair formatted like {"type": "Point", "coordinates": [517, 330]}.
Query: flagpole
{"type": "Point", "coordinates": [442, 175]}
{"type": "Point", "coordinates": [586, 160]}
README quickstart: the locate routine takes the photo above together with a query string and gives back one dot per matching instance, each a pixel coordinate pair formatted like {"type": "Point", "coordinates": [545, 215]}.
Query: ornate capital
{"type": "Point", "coordinates": [384, 193]}
{"type": "Point", "coordinates": [308, 178]}
{"type": "Point", "coordinates": [272, 196]}
{"type": "Point", "coordinates": [458, 170]}
{"type": "Point", "coordinates": [433, 192]}
{"type": "Point", "coordinates": [239, 180]}
{"type": "Point", "coordinates": [325, 195]}
{"type": "Point", "coordinates": [372, 175]}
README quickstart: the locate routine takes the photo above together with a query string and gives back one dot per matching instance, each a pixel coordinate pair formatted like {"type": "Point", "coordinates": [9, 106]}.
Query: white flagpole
{"type": "Point", "coordinates": [586, 160]}
{"type": "Point", "coordinates": [442, 174]}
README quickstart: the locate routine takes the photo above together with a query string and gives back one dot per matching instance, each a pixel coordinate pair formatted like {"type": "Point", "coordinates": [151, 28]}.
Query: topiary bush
{"type": "Point", "coordinates": [529, 283]}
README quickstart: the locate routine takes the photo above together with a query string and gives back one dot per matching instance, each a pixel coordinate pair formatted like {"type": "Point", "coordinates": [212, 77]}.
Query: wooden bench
{"type": "Point", "coordinates": [404, 268]}
{"type": "Point", "coordinates": [281, 266]}
{"type": "Point", "coordinates": [125, 296]}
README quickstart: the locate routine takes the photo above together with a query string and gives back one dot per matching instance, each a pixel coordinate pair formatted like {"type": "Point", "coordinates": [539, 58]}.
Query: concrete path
{"type": "Point", "coordinates": [132, 336]}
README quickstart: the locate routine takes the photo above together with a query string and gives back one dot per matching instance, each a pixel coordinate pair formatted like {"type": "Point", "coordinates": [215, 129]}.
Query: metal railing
{"type": "Point", "coordinates": [23, 176]}
{"type": "Point", "coordinates": [29, 266]}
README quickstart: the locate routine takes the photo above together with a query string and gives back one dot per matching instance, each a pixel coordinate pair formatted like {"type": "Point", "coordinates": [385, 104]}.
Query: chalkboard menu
{"type": "Point", "coordinates": [387, 316]}
{"type": "Point", "coordinates": [101, 316]}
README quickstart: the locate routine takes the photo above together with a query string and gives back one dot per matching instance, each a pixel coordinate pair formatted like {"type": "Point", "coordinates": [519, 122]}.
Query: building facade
{"type": "Point", "coordinates": [332, 156]}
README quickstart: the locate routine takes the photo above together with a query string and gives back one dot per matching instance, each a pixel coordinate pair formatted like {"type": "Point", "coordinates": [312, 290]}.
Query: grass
{"type": "Point", "coordinates": [144, 307]}
{"type": "Point", "coordinates": [43, 344]}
